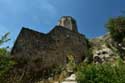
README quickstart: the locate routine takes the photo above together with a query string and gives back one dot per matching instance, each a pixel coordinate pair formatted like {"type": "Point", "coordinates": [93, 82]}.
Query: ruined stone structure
{"type": "Point", "coordinates": [68, 22]}
{"type": "Point", "coordinates": [40, 52]}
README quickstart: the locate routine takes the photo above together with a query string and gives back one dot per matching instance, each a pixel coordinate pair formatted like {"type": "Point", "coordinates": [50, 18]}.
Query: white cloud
{"type": "Point", "coordinates": [10, 6]}
{"type": "Point", "coordinates": [38, 10]}
{"type": "Point", "coordinates": [22, 6]}
{"type": "Point", "coordinates": [48, 7]}
{"type": "Point", "coordinates": [45, 11]}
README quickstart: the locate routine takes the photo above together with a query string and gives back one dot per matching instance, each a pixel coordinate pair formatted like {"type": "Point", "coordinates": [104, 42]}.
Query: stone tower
{"type": "Point", "coordinates": [68, 22]}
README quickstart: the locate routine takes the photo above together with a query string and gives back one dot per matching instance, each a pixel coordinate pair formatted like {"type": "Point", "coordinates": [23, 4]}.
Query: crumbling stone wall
{"type": "Point", "coordinates": [51, 49]}
{"type": "Point", "coordinates": [38, 53]}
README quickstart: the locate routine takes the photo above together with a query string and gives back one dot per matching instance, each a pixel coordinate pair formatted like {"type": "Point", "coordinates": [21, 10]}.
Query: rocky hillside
{"type": "Point", "coordinates": [104, 49]}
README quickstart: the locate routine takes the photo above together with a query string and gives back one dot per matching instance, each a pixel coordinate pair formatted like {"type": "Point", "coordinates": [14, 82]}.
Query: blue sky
{"type": "Point", "coordinates": [42, 15]}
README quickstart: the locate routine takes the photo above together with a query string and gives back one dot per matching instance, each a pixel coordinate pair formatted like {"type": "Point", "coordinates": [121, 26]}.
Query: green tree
{"type": "Point", "coordinates": [116, 27]}
{"type": "Point", "coordinates": [5, 61]}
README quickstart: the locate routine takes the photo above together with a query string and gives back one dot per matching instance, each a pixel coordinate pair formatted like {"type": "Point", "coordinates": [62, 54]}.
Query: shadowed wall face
{"type": "Point", "coordinates": [52, 48]}
{"type": "Point", "coordinates": [39, 53]}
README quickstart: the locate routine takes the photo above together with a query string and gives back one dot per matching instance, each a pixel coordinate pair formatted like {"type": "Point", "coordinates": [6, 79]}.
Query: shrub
{"type": "Point", "coordinates": [101, 73]}
{"type": "Point", "coordinates": [71, 65]}
{"type": "Point", "coordinates": [5, 61]}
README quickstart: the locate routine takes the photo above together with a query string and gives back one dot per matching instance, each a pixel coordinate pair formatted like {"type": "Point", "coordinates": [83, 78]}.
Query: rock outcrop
{"type": "Point", "coordinates": [105, 49]}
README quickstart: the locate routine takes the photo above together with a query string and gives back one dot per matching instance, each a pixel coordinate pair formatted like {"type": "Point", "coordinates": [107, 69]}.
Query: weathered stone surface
{"type": "Point", "coordinates": [103, 49]}
{"type": "Point", "coordinates": [39, 53]}
{"type": "Point", "coordinates": [68, 22]}
{"type": "Point", "coordinates": [103, 55]}
{"type": "Point", "coordinates": [51, 48]}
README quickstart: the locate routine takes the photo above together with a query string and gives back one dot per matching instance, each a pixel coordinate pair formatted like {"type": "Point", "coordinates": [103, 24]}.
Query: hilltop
{"type": "Point", "coordinates": [62, 52]}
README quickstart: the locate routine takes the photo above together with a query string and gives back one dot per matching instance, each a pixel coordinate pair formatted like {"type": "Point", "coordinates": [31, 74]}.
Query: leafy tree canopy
{"type": "Point", "coordinates": [4, 38]}
{"type": "Point", "coordinates": [116, 27]}
{"type": "Point", "coordinates": [5, 62]}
